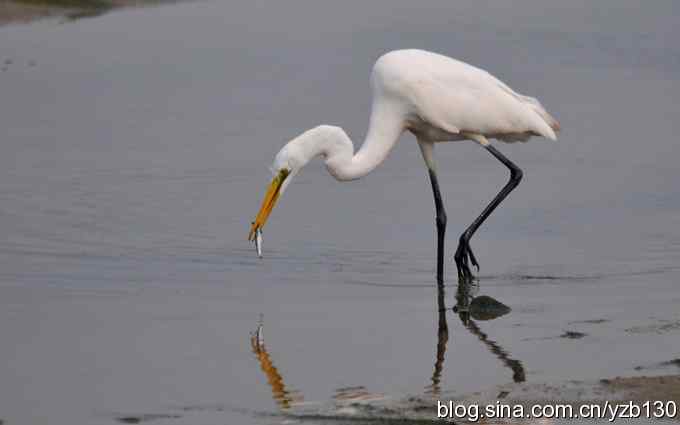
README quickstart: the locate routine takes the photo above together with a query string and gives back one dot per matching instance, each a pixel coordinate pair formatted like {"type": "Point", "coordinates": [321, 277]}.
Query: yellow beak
{"type": "Point", "coordinates": [268, 203]}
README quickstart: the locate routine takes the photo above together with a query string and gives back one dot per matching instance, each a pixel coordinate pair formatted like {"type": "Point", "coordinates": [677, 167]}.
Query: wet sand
{"type": "Point", "coordinates": [359, 406]}
{"type": "Point", "coordinates": [638, 389]}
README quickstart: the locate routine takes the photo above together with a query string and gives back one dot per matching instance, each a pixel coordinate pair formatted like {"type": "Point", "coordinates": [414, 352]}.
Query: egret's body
{"type": "Point", "coordinates": [436, 98]}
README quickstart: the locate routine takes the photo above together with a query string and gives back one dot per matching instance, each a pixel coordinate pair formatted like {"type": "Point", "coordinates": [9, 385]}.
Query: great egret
{"type": "Point", "coordinates": [438, 99]}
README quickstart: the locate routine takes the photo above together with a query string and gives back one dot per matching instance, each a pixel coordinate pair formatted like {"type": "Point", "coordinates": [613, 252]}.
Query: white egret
{"type": "Point", "coordinates": [437, 99]}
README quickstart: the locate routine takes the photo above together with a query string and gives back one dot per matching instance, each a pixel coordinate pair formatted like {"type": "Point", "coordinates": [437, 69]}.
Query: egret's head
{"type": "Point", "coordinates": [286, 164]}
{"type": "Point", "coordinates": [322, 141]}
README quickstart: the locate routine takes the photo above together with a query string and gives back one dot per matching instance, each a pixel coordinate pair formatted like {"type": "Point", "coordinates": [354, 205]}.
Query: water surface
{"type": "Point", "coordinates": [135, 151]}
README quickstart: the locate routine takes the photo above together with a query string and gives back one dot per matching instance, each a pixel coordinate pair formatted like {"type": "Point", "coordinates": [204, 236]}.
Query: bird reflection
{"type": "Point", "coordinates": [283, 397]}
{"type": "Point", "coordinates": [470, 308]}
{"type": "Point", "coordinates": [480, 308]}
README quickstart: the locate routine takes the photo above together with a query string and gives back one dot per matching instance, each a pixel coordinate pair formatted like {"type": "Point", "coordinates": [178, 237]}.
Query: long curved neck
{"type": "Point", "coordinates": [385, 127]}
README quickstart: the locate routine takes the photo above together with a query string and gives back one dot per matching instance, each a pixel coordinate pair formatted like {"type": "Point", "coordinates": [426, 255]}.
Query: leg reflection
{"type": "Point", "coordinates": [442, 339]}
{"type": "Point", "coordinates": [516, 366]}
{"type": "Point", "coordinates": [485, 308]}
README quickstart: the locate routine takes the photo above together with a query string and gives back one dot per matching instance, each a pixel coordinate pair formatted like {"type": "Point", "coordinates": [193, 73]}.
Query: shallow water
{"type": "Point", "coordinates": [135, 151]}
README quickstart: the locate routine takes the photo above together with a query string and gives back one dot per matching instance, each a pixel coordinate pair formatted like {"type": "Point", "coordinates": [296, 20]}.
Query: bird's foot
{"type": "Point", "coordinates": [463, 258]}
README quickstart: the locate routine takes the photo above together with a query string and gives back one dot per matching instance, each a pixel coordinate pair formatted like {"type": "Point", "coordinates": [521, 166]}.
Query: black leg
{"type": "Point", "coordinates": [463, 253]}
{"type": "Point", "coordinates": [441, 230]}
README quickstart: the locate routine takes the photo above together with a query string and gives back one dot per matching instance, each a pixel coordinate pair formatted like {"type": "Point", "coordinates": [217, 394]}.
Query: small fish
{"type": "Point", "coordinates": [259, 335]}
{"type": "Point", "coordinates": [258, 242]}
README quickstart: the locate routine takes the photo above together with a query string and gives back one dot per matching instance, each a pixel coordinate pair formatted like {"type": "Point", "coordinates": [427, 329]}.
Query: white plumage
{"type": "Point", "coordinates": [436, 98]}
{"type": "Point", "coordinates": [442, 93]}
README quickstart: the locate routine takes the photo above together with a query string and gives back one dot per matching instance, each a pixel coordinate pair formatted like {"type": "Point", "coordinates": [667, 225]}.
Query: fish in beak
{"type": "Point", "coordinates": [258, 242]}
{"type": "Point", "coordinates": [270, 198]}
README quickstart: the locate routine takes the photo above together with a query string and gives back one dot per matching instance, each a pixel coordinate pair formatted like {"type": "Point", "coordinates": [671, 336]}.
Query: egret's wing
{"type": "Point", "coordinates": [461, 97]}
{"type": "Point", "coordinates": [435, 105]}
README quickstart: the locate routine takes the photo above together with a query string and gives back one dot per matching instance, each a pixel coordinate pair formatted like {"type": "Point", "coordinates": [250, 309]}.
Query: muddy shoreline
{"type": "Point", "coordinates": [26, 11]}
{"type": "Point", "coordinates": [619, 390]}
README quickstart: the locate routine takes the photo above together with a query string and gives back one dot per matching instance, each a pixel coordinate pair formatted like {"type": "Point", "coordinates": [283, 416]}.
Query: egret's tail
{"type": "Point", "coordinates": [549, 119]}
{"type": "Point", "coordinates": [547, 125]}
{"type": "Point", "coordinates": [551, 122]}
